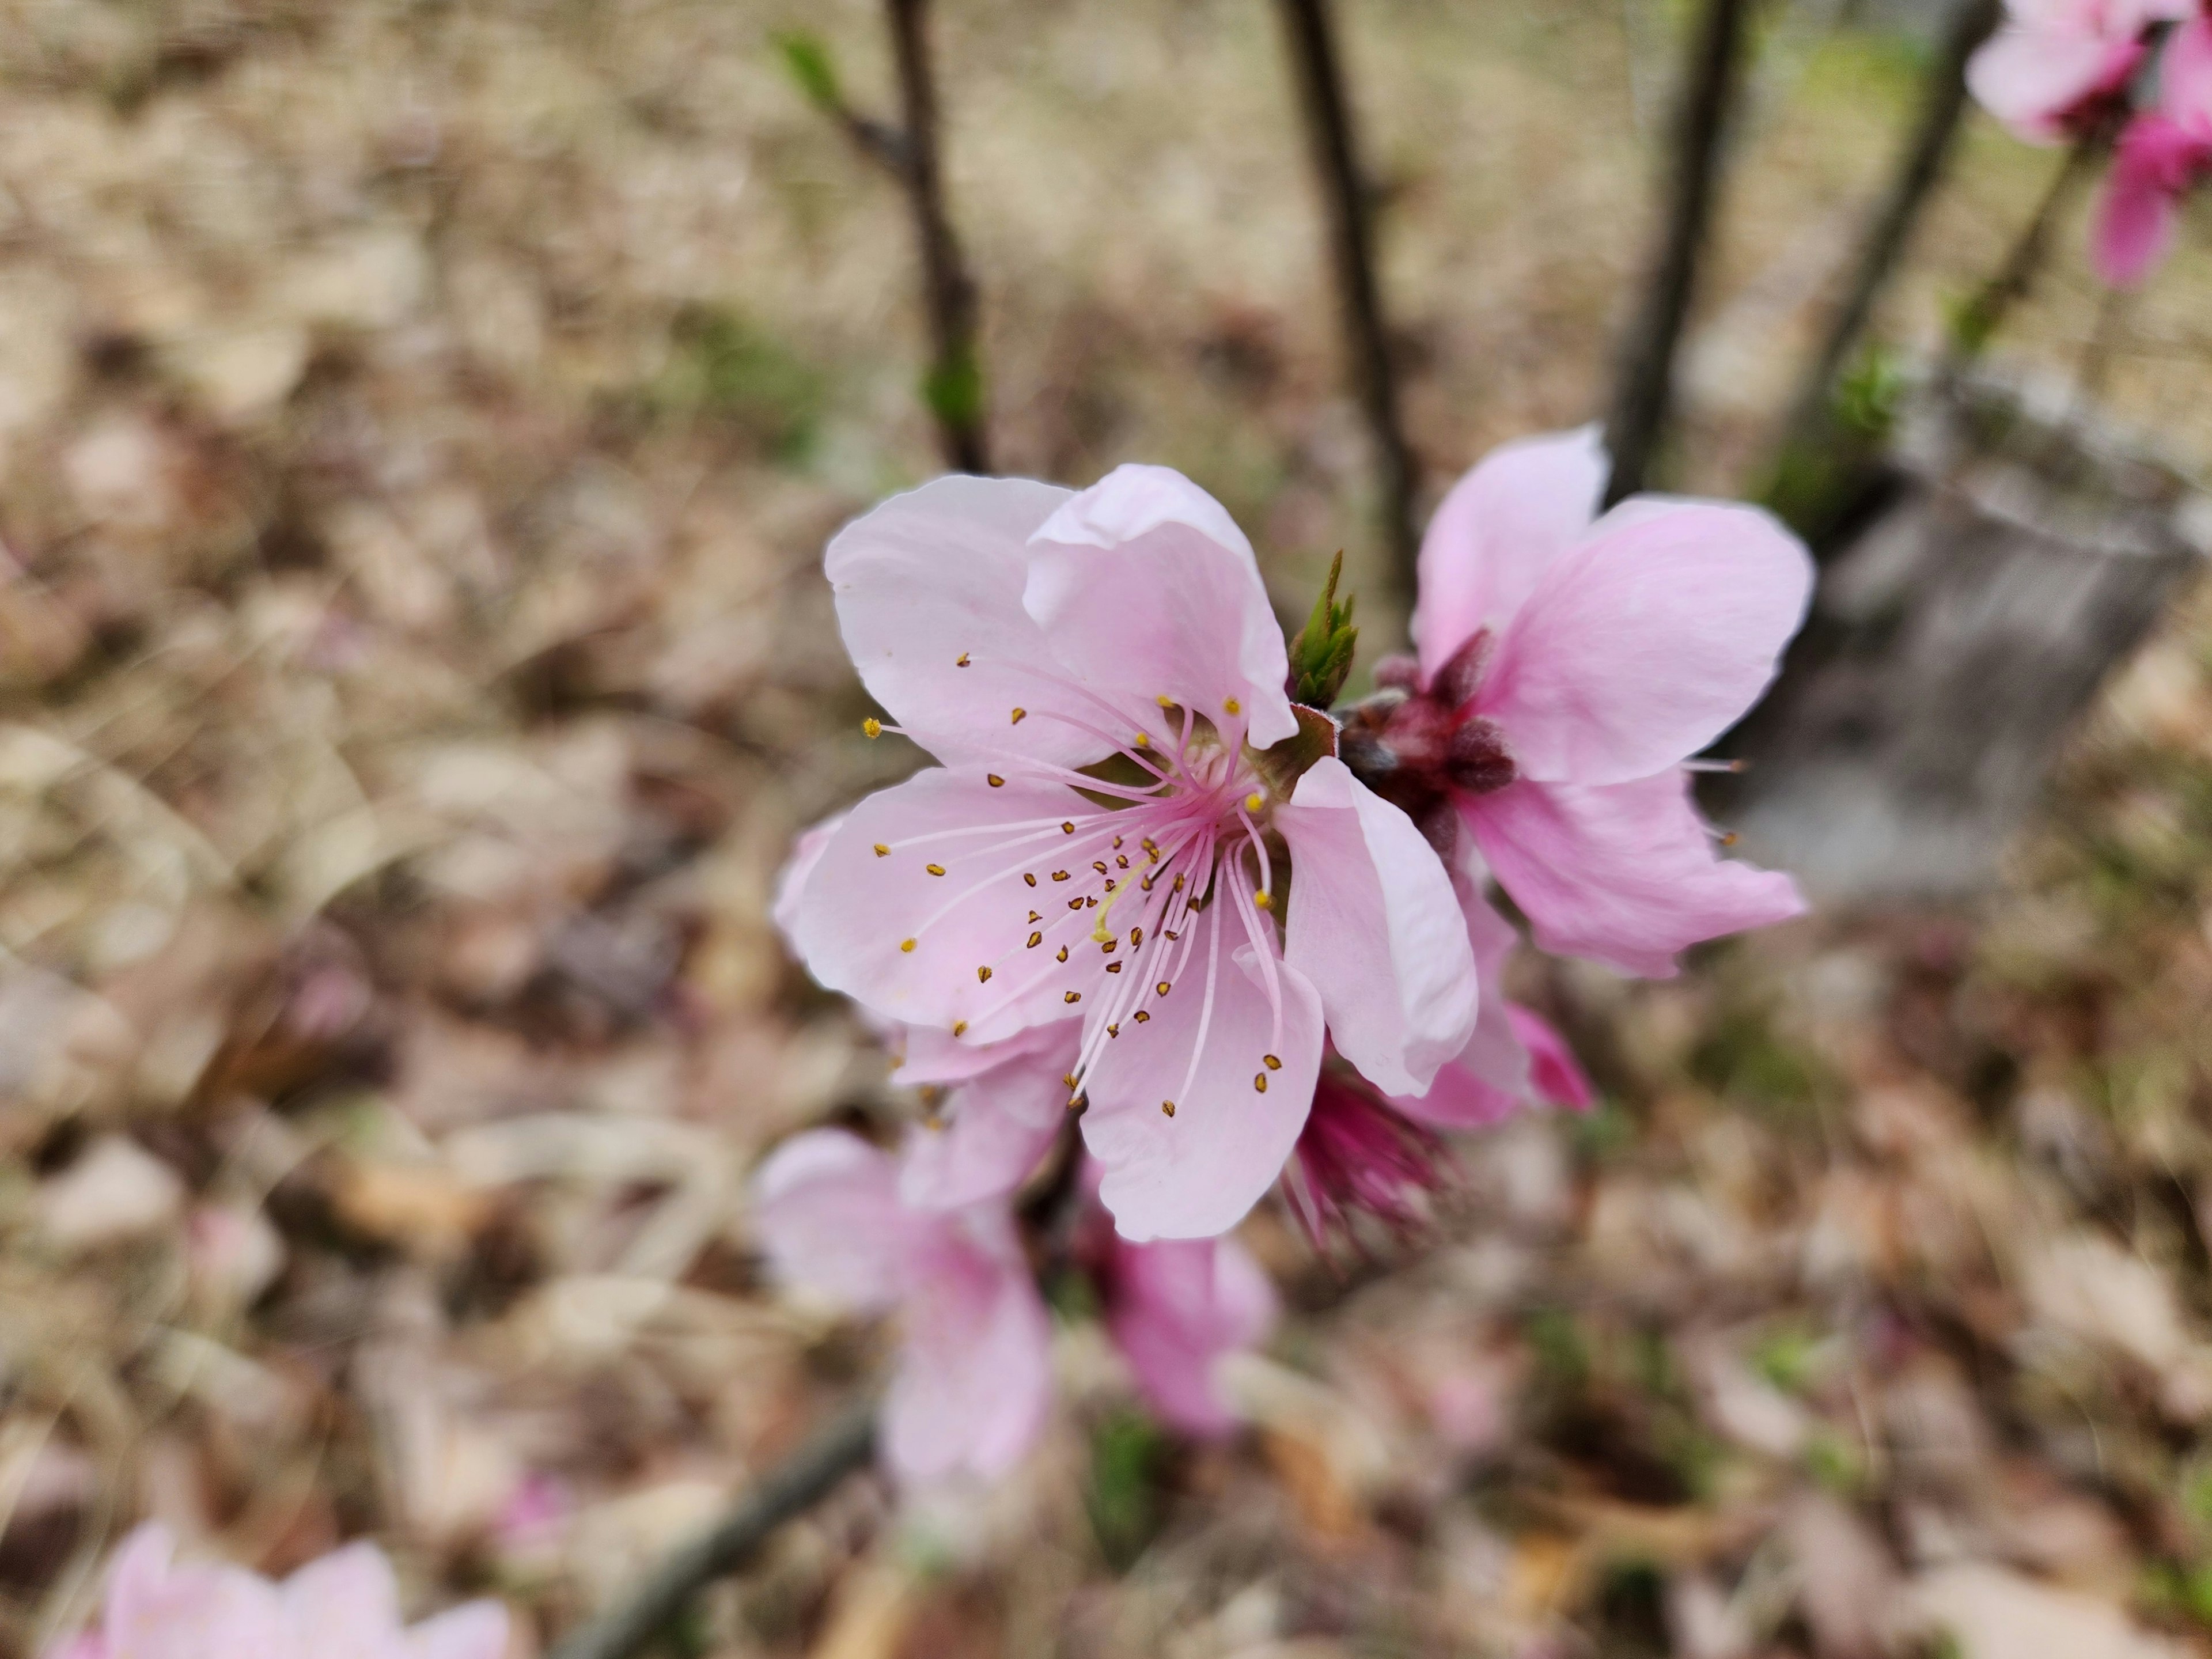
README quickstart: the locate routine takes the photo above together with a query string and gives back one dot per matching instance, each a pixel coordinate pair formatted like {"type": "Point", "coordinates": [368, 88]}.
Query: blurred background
{"type": "Point", "coordinates": [419, 428]}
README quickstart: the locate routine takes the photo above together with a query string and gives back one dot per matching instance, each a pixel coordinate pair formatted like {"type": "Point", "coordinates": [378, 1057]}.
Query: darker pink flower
{"type": "Point", "coordinates": [1127, 800]}
{"type": "Point", "coordinates": [2056, 67]}
{"type": "Point", "coordinates": [973, 1378]}
{"type": "Point", "coordinates": [1174, 1310]}
{"type": "Point", "coordinates": [2161, 157]}
{"type": "Point", "coordinates": [1567, 668]}
{"type": "Point", "coordinates": [343, 1607]}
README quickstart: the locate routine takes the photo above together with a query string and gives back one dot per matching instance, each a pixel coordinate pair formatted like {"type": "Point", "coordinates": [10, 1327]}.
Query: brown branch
{"type": "Point", "coordinates": [1891, 228]}
{"type": "Point", "coordinates": [1647, 359]}
{"type": "Point", "coordinates": [785, 1493]}
{"type": "Point", "coordinates": [954, 388]}
{"type": "Point", "coordinates": [1350, 223]}
{"type": "Point", "coordinates": [1985, 312]}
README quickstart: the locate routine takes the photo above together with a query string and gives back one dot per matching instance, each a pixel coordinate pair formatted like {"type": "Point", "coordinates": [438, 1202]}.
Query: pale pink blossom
{"type": "Point", "coordinates": [1568, 666]}
{"type": "Point", "coordinates": [2161, 157]}
{"type": "Point", "coordinates": [974, 1376]}
{"type": "Point", "coordinates": [2055, 67]}
{"type": "Point", "coordinates": [993, 1110]}
{"type": "Point", "coordinates": [1174, 1310]}
{"type": "Point", "coordinates": [1125, 788]}
{"type": "Point", "coordinates": [345, 1606]}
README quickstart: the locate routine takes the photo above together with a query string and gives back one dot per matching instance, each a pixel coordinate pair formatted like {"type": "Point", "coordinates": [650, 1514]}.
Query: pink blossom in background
{"type": "Point", "coordinates": [1174, 1310]}
{"type": "Point", "coordinates": [2054, 66]}
{"type": "Point", "coordinates": [974, 1377]}
{"type": "Point", "coordinates": [2161, 157]}
{"type": "Point", "coordinates": [345, 1606]}
{"type": "Point", "coordinates": [1020, 632]}
{"type": "Point", "coordinates": [1568, 666]}
{"type": "Point", "coordinates": [1360, 1156]}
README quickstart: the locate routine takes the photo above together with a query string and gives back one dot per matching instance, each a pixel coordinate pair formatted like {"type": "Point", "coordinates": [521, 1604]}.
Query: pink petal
{"type": "Point", "coordinates": [88, 1646]}
{"type": "Point", "coordinates": [857, 906]}
{"type": "Point", "coordinates": [1374, 925]}
{"type": "Point", "coordinates": [2031, 76]}
{"type": "Point", "coordinates": [1176, 1309]}
{"type": "Point", "coordinates": [974, 1375]}
{"type": "Point", "coordinates": [1194, 1175]}
{"type": "Point", "coordinates": [993, 1127]}
{"type": "Point", "coordinates": [1146, 588]}
{"type": "Point", "coordinates": [475, 1630]}
{"type": "Point", "coordinates": [1626, 874]}
{"type": "Point", "coordinates": [937, 574]}
{"type": "Point", "coordinates": [791, 880]}
{"type": "Point", "coordinates": [1646, 641]}
{"type": "Point", "coordinates": [197, 1611]}
{"type": "Point", "coordinates": [1554, 1074]}
{"type": "Point", "coordinates": [346, 1606]}
{"type": "Point", "coordinates": [1493, 1053]}
{"type": "Point", "coordinates": [930, 1055]}
{"type": "Point", "coordinates": [826, 1210]}
{"type": "Point", "coordinates": [2152, 166]}
{"type": "Point", "coordinates": [1506, 521]}
{"type": "Point", "coordinates": [2184, 75]}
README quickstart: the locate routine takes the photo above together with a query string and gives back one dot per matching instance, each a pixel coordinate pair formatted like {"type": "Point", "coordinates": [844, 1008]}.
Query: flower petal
{"type": "Point", "coordinates": [858, 908]}
{"type": "Point", "coordinates": [158, 1611]}
{"type": "Point", "coordinates": [826, 1209]}
{"type": "Point", "coordinates": [345, 1606]}
{"type": "Point", "coordinates": [1176, 1308]}
{"type": "Point", "coordinates": [1501, 526]}
{"type": "Point", "coordinates": [995, 1126]}
{"type": "Point", "coordinates": [2184, 75]}
{"type": "Point", "coordinates": [1554, 1074]}
{"type": "Point", "coordinates": [936, 575]}
{"type": "Point", "coordinates": [475, 1630]}
{"type": "Point", "coordinates": [2030, 77]}
{"type": "Point", "coordinates": [791, 880]}
{"type": "Point", "coordinates": [1626, 875]}
{"type": "Point", "coordinates": [1488, 1080]}
{"type": "Point", "coordinates": [2153, 167]}
{"type": "Point", "coordinates": [975, 1374]}
{"type": "Point", "coordinates": [1373, 924]}
{"type": "Point", "coordinates": [1646, 641]}
{"type": "Point", "coordinates": [1146, 588]}
{"type": "Point", "coordinates": [1196, 1174]}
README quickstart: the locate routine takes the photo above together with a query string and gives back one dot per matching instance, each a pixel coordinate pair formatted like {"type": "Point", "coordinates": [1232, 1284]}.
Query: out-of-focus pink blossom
{"type": "Point", "coordinates": [2161, 157]}
{"type": "Point", "coordinates": [973, 1378]}
{"type": "Point", "coordinates": [1361, 1155]}
{"type": "Point", "coordinates": [2055, 67]}
{"type": "Point", "coordinates": [1175, 1308]}
{"type": "Point", "coordinates": [1021, 632]}
{"type": "Point", "coordinates": [1567, 667]}
{"type": "Point", "coordinates": [345, 1606]}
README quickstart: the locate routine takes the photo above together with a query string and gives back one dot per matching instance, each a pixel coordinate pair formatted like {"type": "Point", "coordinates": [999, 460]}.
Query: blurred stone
{"type": "Point", "coordinates": [114, 1191]}
{"type": "Point", "coordinates": [1992, 1613]}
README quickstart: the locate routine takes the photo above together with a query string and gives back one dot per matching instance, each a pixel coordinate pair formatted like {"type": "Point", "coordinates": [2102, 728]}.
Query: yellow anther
{"type": "Point", "coordinates": [1067, 827]}
{"type": "Point", "coordinates": [1029, 877]}
{"type": "Point", "coordinates": [1072, 996]}
{"type": "Point", "coordinates": [1077, 1103]}
{"type": "Point", "coordinates": [1254, 801]}
{"type": "Point", "coordinates": [1165, 700]}
{"type": "Point", "coordinates": [1136, 936]}
{"type": "Point", "coordinates": [1106, 946]}
{"type": "Point", "coordinates": [1062, 957]}
{"type": "Point", "coordinates": [1060, 875]}
{"type": "Point", "coordinates": [1034, 916]}
{"type": "Point", "coordinates": [1177, 888]}
{"type": "Point", "coordinates": [994, 780]}
{"type": "Point", "coordinates": [1264, 899]}
{"type": "Point", "coordinates": [934, 869]}
{"type": "Point", "coordinates": [882, 851]}
{"type": "Point", "coordinates": [1273, 1065]}
{"type": "Point", "coordinates": [963, 662]}
{"type": "Point", "coordinates": [1075, 904]}
{"type": "Point", "coordinates": [960, 1028]}
{"type": "Point", "coordinates": [1035, 940]}
{"type": "Point", "coordinates": [1168, 1107]}
{"type": "Point", "coordinates": [982, 975]}
{"type": "Point", "coordinates": [906, 945]}
{"type": "Point", "coordinates": [1113, 966]}
{"type": "Point", "coordinates": [1233, 706]}
{"type": "Point", "coordinates": [872, 726]}
{"type": "Point", "coordinates": [1142, 1017]}
{"type": "Point", "coordinates": [1260, 1081]}
{"type": "Point", "coordinates": [1020, 714]}
{"type": "Point", "coordinates": [1099, 865]}
{"type": "Point", "coordinates": [1143, 742]}
{"type": "Point", "coordinates": [1121, 860]}
{"type": "Point", "coordinates": [1161, 988]}
{"type": "Point", "coordinates": [1113, 1031]}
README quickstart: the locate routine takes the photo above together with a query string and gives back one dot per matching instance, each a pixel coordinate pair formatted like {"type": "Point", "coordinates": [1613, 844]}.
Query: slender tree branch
{"type": "Point", "coordinates": [785, 1493]}
{"type": "Point", "coordinates": [954, 386]}
{"type": "Point", "coordinates": [1647, 358]}
{"type": "Point", "coordinates": [1351, 221]}
{"type": "Point", "coordinates": [1892, 226]}
{"type": "Point", "coordinates": [1985, 312]}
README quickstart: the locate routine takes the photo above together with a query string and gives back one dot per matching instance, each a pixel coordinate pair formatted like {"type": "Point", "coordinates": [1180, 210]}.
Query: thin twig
{"type": "Point", "coordinates": [1891, 228]}
{"type": "Point", "coordinates": [1350, 223]}
{"type": "Point", "coordinates": [1647, 358]}
{"type": "Point", "coordinates": [955, 386]}
{"type": "Point", "coordinates": [787, 1491]}
{"type": "Point", "coordinates": [1984, 314]}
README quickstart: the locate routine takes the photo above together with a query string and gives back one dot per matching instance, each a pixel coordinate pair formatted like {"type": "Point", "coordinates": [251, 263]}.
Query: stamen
{"type": "Point", "coordinates": [1168, 1106]}
{"type": "Point", "coordinates": [1263, 899]}
{"type": "Point", "coordinates": [1255, 801]}
{"type": "Point", "coordinates": [1060, 875]}
{"type": "Point", "coordinates": [934, 869]}
{"type": "Point", "coordinates": [1274, 1063]}
{"type": "Point", "coordinates": [1143, 742]}
{"type": "Point", "coordinates": [1114, 967]}
{"type": "Point", "coordinates": [983, 976]}
{"type": "Point", "coordinates": [1716, 766]}
{"type": "Point", "coordinates": [906, 945]}
{"type": "Point", "coordinates": [882, 851]}
{"type": "Point", "coordinates": [1072, 996]}
{"type": "Point", "coordinates": [1062, 957]}
{"type": "Point", "coordinates": [1161, 988]}
{"type": "Point", "coordinates": [1020, 714]}
{"type": "Point", "coordinates": [1165, 700]}
{"type": "Point", "coordinates": [1260, 1081]}
{"type": "Point", "coordinates": [994, 780]}
{"type": "Point", "coordinates": [1068, 827]}
{"type": "Point", "coordinates": [1035, 940]}
{"type": "Point", "coordinates": [1233, 706]}
{"type": "Point", "coordinates": [963, 661]}
{"type": "Point", "coordinates": [1142, 1017]}
{"type": "Point", "coordinates": [1028, 878]}
{"type": "Point", "coordinates": [872, 728]}
{"type": "Point", "coordinates": [960, 1028]}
